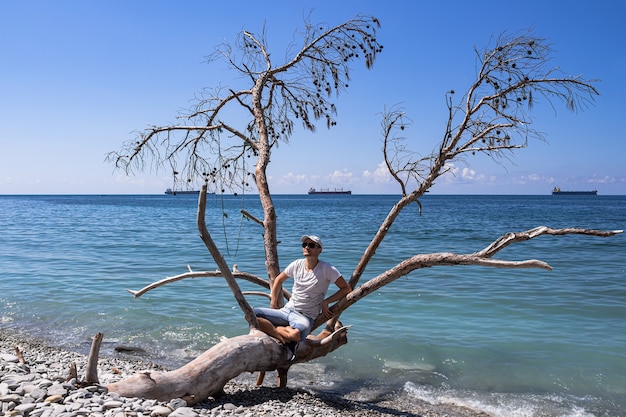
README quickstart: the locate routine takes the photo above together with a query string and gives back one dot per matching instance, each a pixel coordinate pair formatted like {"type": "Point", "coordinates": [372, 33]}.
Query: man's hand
{"type": "Point", "coordinates": [326, 313]}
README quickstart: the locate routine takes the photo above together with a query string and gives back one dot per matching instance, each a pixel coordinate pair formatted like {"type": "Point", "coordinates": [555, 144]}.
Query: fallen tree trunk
{"type": "Point", "coordinates": [207, 375]}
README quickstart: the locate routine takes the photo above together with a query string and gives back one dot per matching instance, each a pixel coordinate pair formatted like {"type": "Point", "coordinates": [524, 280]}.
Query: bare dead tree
{"type": "Point", "coordinates": [492, 117]}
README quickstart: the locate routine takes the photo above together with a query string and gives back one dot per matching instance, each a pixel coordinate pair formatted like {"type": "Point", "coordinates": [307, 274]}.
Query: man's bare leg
{"type": "Point", "coordinates": [268, 328]}
{"type": "Point", "coordinates": [288, 333]}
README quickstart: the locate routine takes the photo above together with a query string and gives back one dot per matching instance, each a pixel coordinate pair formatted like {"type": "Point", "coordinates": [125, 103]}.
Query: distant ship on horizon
{"type": "Point", "coordinates": [557, 191]}
{"type": "Point", "coordinates": [329, 191]}
{"type": "Point", "coordinates": [169, 191]}
{"type": "Point", "coordinates": [175, 192]}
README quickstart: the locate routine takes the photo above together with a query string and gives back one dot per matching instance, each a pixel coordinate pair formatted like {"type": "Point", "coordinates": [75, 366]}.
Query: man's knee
{"type": "Point", "coordinates": [290, 333]}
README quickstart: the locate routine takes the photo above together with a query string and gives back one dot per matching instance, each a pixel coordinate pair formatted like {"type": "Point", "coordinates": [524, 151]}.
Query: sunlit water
{"type": "Point", "coordinates": [521, 342]}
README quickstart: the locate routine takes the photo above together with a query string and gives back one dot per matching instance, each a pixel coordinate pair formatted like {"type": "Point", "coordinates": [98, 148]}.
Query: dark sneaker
{"type": "Point", "coordinates": [291, 350]}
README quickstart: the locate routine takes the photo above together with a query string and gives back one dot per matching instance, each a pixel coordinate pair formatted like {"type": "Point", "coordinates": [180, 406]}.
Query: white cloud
{"type": "Point", "coordinates": [533, 179]}
{"type": "Point", "coordinates": [341, 177]}
{"type": "Point", "coordinates": [379, 176]}
{"type": "Point", "coordinates": [292, 178]}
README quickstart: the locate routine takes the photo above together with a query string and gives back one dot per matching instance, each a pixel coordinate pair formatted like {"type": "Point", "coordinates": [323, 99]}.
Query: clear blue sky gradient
{"type": "Point", "coordinates": [78, 77]}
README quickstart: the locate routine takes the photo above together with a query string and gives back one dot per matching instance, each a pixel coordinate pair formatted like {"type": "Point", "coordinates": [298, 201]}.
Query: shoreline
{"type": "Point", "coordinates": [48, 366]}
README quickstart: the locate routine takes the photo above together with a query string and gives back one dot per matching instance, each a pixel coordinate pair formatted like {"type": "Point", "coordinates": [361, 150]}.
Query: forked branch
{"type": "Point", "coordinates": [481, 258]}
{"type": "Point", "coordinates": [510, 238]}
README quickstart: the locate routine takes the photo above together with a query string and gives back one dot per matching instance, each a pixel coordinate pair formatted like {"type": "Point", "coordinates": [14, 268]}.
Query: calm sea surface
{"type": "Point", "coordinates": [510, 342]}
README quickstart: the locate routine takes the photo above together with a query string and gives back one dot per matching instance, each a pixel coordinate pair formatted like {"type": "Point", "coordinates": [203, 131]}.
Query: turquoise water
{"type": "Point", "coordinates": [511, 342]}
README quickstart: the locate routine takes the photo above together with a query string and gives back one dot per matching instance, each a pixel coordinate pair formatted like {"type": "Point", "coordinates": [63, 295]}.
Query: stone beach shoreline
{"type": "Point", "coordinates": [39, 388]}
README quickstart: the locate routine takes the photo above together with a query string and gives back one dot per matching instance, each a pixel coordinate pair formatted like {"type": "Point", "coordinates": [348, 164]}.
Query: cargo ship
{"type": "Point", "coordinates": [329, 191]}
{"type": "Point", "coordinates": [174, 192]}
{"type": "Point", "coordinates": [557, 191]}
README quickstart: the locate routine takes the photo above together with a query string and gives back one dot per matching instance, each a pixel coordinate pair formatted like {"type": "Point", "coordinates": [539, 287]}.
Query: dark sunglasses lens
{"type": "Point", "coordinates": [310, 245]}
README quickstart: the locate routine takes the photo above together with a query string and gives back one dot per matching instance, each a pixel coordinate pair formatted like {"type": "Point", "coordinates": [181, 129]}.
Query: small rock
{"type": "Point", "coordinates": [25, 408]}
{"type": "Point", "coordinates": [230, 406]}
{"type": "Point", "coordinates": [57, 389]}
{"type": "Point", "coordinates": [38, 393]}
{"type": "Point", "coordinates": [10, 397]}
{"type": "Point", "coordinates": [177, 403]}
{"type": "Point", "coordinates": [7, 357]}
{"type": "Point", "coordinates": [54, 399]}
{"type": "Point", "coordinates": [160, 411]}
{"type": "Point", "coordinates": [184, 412]}
{"type": "Point", "coordinates": [112, 404]}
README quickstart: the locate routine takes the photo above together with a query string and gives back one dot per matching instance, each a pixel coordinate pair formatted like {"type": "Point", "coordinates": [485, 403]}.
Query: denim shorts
{"type": "Point", "coordinates": [287, 317]}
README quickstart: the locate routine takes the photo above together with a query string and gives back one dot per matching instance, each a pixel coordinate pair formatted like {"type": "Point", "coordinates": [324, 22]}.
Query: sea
{"type": "Point", "coordinates": [509, 342]}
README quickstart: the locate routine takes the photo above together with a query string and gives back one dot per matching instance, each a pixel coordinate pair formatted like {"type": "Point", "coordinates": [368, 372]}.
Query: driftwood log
{"type": "Point", "coordinates": [207, 375]}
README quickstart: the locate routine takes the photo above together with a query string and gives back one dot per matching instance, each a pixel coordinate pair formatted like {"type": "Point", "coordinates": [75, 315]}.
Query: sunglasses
{"type": "Point", "coordinates": [310, 245]}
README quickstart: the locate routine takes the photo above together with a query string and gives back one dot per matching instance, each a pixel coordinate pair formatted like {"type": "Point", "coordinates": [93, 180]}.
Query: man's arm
{"type": "Point", "coordinates": [277, 289]}
{"type": "Point", "coordinates": [344, 289]}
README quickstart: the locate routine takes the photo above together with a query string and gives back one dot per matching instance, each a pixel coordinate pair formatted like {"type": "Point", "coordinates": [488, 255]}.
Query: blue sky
{"type": "Point", "coordinates": [78, 77]}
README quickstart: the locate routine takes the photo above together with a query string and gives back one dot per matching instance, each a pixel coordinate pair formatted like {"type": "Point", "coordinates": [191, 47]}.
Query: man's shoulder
{"type": "Point", "coordinates": [325, 264]}
{"type": "Point", "coordinates": [298, 263]}
{"type": "Point", "coordinates": [329, 268]}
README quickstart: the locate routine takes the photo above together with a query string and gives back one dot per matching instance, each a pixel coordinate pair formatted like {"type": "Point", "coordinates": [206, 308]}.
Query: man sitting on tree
{"type": "Point", "coordinates": [312, 277]}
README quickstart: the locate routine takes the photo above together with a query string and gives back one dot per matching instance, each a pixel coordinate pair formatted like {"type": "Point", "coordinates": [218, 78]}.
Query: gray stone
{"type": "Point", "coordinates": [229, 406]}
{"type": "Point", "coordinates": [10, 397]}
{"type": "Point", "coordinates": [25, 408]}
{"type": "Point", "coordinates": [7, 357]}
{"type": "Point", "coordinates": [38, 393]}
{"type": "Point", "coordinates": [184, 412]}
{"type": "Point", "coordinates": [160, 411]}
{"type": "Point", "coordinates": [177, 403]}
{"type": "Point", "coordinates": [112, 404]}
{"type": "Point", "coordinates": [57, 389]}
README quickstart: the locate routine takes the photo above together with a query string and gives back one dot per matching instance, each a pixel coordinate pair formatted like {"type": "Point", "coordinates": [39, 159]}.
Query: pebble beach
{"type": "Point", "coordinates": [40, 387]}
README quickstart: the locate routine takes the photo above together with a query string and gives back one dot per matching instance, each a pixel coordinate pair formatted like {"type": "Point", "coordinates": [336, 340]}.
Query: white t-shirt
{"type": "Point", "coordinates": [310, 287]}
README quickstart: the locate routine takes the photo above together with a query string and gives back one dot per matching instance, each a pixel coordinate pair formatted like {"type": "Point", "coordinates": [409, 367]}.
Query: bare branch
{"type": "Point", "coordinates": [481, 258]}
{"type": "Point", "coordinates": [200, 274]}
{"type": "Point", "coordinates": [510, 238]}
{"type": "Point", "coordinates": [221, 262]}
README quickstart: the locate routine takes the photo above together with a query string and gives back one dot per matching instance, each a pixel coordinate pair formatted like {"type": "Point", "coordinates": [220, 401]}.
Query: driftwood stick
{"type": "Point", "coordinates": [260, 378]}
{"type": "Point", "coordinates": [91, 375]}
{"type": "Point", "coordinates": [260, 293]}
{"type": "Point", "coordinates": [20, 354]}
{"type": "Point", "coordinates": [200, 274]}
{"type": "Point", "coordinates": [251, 217]}
{"type": "Point", "coordinates": [246, 308]}
{"type": "Point", "coordinates": [73, 372]}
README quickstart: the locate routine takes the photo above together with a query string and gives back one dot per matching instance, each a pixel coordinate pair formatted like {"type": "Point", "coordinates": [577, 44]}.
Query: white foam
{"type": "Point", "coordinates": [499, 404]}
{"type": "Point", "coordinates": [406, 366]}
